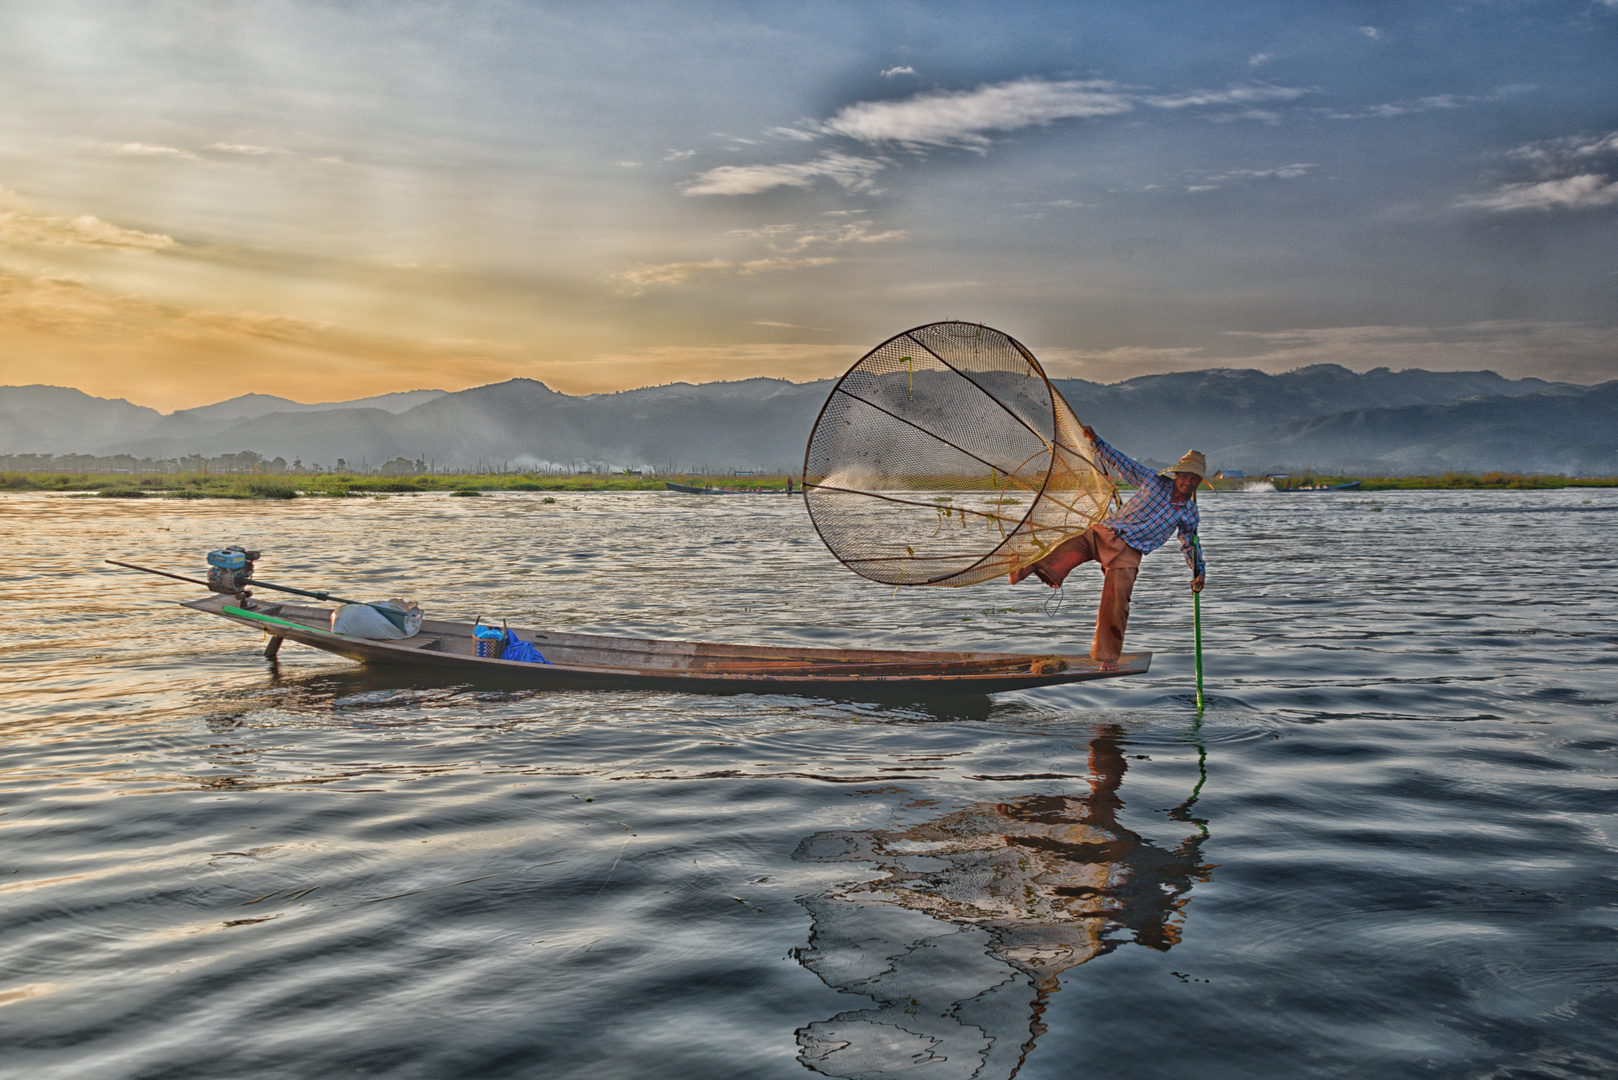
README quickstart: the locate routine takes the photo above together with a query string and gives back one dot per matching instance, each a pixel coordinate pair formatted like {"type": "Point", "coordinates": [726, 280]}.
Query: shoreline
{"type": "Point", "coordinates": [328, 485]}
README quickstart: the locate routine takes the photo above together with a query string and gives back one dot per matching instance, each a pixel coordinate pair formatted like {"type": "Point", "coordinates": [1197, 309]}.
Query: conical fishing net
{"type": "Point", "coordinates": [945, 457]}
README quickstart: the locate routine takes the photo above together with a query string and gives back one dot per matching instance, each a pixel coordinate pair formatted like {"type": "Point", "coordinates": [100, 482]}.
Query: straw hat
{"type": "Point", "coordinates": [1194, 462]}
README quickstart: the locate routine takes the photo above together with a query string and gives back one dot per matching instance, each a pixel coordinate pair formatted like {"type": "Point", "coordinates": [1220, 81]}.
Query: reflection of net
{"type": "Point", "coordinates": [945, 457]}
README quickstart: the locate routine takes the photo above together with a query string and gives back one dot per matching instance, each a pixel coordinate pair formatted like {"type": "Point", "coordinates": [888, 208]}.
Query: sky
{"type": "Point", "coordinates": [332, 200]}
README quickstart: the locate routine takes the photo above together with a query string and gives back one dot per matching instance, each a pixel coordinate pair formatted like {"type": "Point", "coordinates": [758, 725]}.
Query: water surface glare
{"type": "Point", "coordinates": [1387, 849]}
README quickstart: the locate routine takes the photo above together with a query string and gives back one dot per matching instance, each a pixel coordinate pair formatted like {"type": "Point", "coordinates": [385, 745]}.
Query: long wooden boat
{"type": "Point", "coordinates": [586, 661]}
{"type": "Point", "coordinates": [692, 489]}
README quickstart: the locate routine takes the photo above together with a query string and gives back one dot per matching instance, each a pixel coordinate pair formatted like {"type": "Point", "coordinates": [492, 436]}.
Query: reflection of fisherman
{"type": "Point", "coordinates": [960, 942]}
{"type": "Point", "coordinates": [1162, 503]}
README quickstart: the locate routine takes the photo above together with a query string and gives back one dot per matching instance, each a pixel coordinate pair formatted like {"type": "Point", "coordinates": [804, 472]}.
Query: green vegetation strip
{"type": "Point", "coordinates": [243, 613]}
{"type": "Point", "coordinates": [338, 485]}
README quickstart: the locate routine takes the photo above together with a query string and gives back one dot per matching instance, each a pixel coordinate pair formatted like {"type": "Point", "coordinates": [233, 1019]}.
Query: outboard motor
{"type": "Point", "coordinates": [230, 569]}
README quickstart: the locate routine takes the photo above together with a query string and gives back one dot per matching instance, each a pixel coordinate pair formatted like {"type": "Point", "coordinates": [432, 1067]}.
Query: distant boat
{"type": "Point", "coordinates": [692, 489]}
{"type": "Point", "coordinates": [1350, 486]}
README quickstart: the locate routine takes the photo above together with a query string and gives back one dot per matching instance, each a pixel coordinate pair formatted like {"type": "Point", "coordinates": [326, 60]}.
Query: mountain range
{"type": "Point", "coordinates": [1323, 417]}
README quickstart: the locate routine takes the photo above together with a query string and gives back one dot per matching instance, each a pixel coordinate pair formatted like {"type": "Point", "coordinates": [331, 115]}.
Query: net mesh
{"type": "Point", "coordinates": [945, 457]}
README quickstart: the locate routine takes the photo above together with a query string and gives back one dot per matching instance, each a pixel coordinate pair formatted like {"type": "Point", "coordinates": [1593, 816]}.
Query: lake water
{"type": "Point", "coordinates": [1387, 848]}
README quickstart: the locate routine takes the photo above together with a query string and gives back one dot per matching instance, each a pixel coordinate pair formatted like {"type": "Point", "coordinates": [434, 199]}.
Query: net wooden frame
{"type": "Point", "coordinates": [930, 436]}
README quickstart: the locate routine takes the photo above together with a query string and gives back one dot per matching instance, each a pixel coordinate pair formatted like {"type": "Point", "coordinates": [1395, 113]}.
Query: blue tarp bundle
{"type": "Point", "coordinates": [516, 648]}
{"type": "Point", "coordinates": [521, 651]}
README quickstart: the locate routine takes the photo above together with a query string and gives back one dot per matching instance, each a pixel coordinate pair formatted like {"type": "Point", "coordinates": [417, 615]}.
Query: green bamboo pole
{"type": "Point", "coordinates": [1196, 619]}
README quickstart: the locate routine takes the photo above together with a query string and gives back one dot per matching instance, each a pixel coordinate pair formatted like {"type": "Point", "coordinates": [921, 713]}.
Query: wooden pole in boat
{"type": "Point", "coordinates": [255, 582]}
{"type": "Point", "coordinates": [1196, 619]}
{"type": "Point", "coordinates": [160, 573]}
{"type": "Point", "coordinates": [393, 615]}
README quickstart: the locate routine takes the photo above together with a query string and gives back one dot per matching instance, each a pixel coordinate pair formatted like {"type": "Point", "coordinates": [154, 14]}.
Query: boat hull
{"type": "Point", "coordinates": [586, 661]}
{"type": "Point", "coordinates": [692, 489]}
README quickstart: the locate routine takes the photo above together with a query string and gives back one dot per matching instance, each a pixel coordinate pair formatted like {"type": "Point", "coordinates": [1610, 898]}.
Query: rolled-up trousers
{"type": "Point", "coordinates": [1120, 563]}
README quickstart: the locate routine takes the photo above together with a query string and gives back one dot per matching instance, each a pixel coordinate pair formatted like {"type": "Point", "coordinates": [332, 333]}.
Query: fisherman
{"type": "Point", "coordinates": [1162, 502]}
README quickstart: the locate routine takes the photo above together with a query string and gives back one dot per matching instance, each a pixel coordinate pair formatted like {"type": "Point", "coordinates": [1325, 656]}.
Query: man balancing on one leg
{"type": "Point", "coordinates": [1162, 503]}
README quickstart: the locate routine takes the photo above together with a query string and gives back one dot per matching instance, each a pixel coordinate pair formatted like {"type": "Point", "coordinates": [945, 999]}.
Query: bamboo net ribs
{"type": "Point", "coordinates": [946, 457]}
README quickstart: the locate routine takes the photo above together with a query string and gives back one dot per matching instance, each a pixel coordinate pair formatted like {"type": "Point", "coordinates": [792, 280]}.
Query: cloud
{"type": "Point", "coordinates": [65, 304]}
{"type": "Point", "coordinates": [1567, 179]}
{"type": "Point", "coordinates": [1582, 192]}
{"type": "Point", "coordinates": [851, 172]}
{"type": "Point", "coordinates": [250, 150]}
{"type": "Point", "coordinates": [59, 305]}
{"type": "Point", "coordinates": [1573, 148]}
{"type": "Point", "coordinates": [767, 266]}
{"type": "Point", "coordinates": [906, 69]}
{"type": "Point", "coordinates": [254, 324]}
{"type": "Point", "coordinates": [135, 149]}
{"type": "Point", "coordinates": [84, 231]}
{"type": "Point", "coordinates": [644, 277]}
{"type": "Point", "coordinates": [1259, 59]}
{"type": "Point", "coordinates": [1389, 110]}
{"type": "Point", "coordinates": [1235, 95]}
{"type": "Point", "coordinates": [1280, 172]}
{"type": "Point", "coordinates": [962, 117]}
{"type": "Point", "coordinates": [586, 373]}
{"type": "Point", "coordinates": [801, 237]}
{"type": "Point", "coordinates": [1262, 116]}
{"type": "Point", "coordinates": [1371, 32]}
{"type": "Point", "coordinates": [678, 155]}
{"type": "Point", "coordinates": [790, 326]}
{"type": "Point", "coordinates": [1063, 362]}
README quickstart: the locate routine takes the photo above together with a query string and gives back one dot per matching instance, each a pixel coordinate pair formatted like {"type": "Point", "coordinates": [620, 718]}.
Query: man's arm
{"type": "Point", "coordinates": [1121, 466]}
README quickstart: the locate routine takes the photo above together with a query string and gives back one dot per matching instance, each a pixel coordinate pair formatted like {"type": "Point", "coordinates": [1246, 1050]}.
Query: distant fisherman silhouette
{"type": "Point", "coordinates": [1162, 503]}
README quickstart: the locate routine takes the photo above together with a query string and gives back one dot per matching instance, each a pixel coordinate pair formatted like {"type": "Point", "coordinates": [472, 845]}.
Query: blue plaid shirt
{"type": "Point", "coordinates": [1150, 514]}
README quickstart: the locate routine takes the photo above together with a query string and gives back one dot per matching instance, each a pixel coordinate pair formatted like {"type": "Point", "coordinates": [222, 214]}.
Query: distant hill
{"type": "Point", "coordinates": [1571, 430]}
{"type": "Point", "coordinates": [1323, 417]}
{"type": "Point", "coordinates": [1162, 416]}
{"type": "Point", "coordinates": [56, 419]}
{"type": "Point", "coordinates": [251, 405]}
{"type": "Point", "coordinates": [248, 406]}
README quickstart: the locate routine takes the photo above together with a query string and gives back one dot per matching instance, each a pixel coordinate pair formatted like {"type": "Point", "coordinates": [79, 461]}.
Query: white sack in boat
{"type": "Point", "coordinates": [365, 621]}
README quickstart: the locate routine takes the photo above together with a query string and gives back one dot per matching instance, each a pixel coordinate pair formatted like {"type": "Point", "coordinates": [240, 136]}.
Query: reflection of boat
{"type": "Point", "coordinates": [589, 660]}
{"type": "Point", "coordinates": [960, 942]}
{"type": "Point", "coordinates": [692, 489]}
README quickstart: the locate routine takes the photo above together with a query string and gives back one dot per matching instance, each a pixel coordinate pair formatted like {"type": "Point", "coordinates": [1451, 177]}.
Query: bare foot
{"type": "Point", "coordinates": [1107, 665]}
